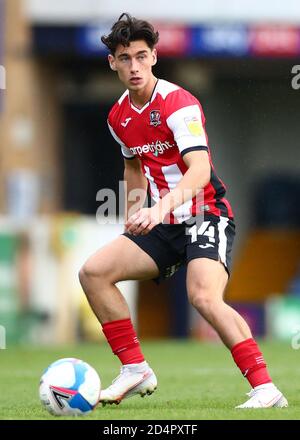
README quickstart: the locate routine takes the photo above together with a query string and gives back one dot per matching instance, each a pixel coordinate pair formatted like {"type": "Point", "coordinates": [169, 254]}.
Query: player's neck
{"type": "Point", "coordinates": [140, 97]}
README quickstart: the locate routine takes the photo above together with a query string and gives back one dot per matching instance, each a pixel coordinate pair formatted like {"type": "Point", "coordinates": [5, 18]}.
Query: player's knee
{"type": "Point", "coordinates": [90, 272]}
{"type": "Point", "coordinates": [84, 275]}
{"type": "Point", "coordinates": [202, 303]}
{"type": "Point", "coordinates": [200, 297]}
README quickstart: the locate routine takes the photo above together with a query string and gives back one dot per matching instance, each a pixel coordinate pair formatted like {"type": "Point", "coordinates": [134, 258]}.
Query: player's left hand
{"type": "Point", "coordinates": [143, 220]}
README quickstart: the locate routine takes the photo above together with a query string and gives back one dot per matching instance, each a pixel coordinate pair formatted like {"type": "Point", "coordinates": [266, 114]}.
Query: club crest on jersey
{"type": "Point", "coordinates": [194, 126]}
{"type": "Point", "coordinates": [155, 118]}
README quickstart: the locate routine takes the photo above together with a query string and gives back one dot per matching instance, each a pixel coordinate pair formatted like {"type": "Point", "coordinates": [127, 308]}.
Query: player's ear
{"type": "Point", "coordinates": [154, 57]}
{"type": "Point", "coordinates": [112, 63]}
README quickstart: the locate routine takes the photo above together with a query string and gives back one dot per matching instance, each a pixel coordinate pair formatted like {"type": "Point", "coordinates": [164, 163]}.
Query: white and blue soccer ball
{"type": "Point", "coordinates": [70, 387]}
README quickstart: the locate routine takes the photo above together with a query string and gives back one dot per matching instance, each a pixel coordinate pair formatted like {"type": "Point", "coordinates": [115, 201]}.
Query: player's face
{"type": "Point", "coordinates": [134, 64]}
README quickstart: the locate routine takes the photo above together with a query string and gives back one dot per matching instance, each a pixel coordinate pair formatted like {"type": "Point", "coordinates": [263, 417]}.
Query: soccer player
{"type": "Point", "coordinates": [161, 131]}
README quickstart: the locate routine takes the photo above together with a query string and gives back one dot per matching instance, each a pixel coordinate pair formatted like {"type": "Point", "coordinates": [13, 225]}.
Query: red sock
{"type": "Point", "coordinates": [250, 361]}
{"type": "Point", "coordinates": [124, 343]}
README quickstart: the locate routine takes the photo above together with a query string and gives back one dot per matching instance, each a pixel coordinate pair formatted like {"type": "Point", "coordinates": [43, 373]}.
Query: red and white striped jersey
{"type": "Point", "coordinates": [169, 125]}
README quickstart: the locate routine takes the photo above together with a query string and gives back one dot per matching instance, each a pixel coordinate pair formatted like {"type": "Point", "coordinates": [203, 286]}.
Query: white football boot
{"type": "Point", "coordinates": [133, 379]}
{"type": "Point", "coordinates": [265, 396]}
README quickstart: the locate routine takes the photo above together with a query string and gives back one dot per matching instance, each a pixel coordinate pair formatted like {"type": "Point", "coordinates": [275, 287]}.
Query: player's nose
{"type": "Point", "coordinates": [134, 66]}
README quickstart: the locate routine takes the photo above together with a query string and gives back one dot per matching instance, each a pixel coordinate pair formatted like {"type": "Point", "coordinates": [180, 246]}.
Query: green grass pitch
{"type": "Point", "coordinates": [197, 381]}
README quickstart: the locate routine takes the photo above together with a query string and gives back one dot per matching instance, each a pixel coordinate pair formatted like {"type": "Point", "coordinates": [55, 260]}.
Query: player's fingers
{"type": "Point", "coordinates": [134, 226]}
{"type": "Point", "coordinates": [132, 220]}
{"type": "Point", "coordinates": [131, 229]}
{"type": "Point", "coordinates": [129, 223]}
{"type": "Point", "coordinates": [141, 227]}
{"type": "Point", "coordinates": [132, 223]}
{"type": "Point", "coordinates": [148, 228]}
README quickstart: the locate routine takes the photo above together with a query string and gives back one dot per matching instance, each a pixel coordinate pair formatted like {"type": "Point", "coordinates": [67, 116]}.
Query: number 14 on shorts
{"type": "Point", "coordinates": [205, 229]}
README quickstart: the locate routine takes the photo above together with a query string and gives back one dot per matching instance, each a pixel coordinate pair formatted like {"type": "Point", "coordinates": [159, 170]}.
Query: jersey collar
{"type": "Point", "coordinates": [152, 97]}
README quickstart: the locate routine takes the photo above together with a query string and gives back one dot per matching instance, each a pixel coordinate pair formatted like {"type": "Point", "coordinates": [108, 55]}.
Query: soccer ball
{"type": "Point", "coordinates": [70, 387]}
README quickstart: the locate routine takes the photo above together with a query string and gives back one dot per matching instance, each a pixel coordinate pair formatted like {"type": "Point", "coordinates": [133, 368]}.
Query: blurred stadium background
{"type": "Point", "coordinates": [56, 153]}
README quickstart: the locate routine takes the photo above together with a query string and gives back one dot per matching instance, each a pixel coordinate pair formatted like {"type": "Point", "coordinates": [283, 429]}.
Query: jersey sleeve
{"type": "Point", "coordinates": [125, 150]}
{"type": "Point", "coordinates": [185, 119]}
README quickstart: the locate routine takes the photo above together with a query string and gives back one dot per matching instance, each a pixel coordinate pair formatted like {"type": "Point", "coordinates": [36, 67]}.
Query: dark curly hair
{"type": "Point", "coordinates": [128, 29]}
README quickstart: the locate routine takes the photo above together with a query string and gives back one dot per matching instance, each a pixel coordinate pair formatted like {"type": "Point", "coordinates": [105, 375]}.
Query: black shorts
{"type": "Point", "coordinates": [171, 246]}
